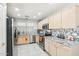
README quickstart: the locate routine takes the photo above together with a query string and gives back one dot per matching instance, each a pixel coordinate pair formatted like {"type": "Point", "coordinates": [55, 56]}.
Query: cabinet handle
{"type": "Point", "coordinates": [2, 45]}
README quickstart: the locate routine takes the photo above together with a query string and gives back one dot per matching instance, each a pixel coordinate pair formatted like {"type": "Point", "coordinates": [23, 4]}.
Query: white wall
{"type": "Point", "coordinates": [29, 27]}
{"type": "Point", "coordinates": [2, 29]}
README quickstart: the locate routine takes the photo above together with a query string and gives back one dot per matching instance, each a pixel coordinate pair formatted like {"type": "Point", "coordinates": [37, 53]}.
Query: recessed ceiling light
{"type": "Point", "coordinates": [17, 9]}
{"type": "Point", "coordinates": [39, 13]}
{"type": "Point", "coordinates": [18, 15]}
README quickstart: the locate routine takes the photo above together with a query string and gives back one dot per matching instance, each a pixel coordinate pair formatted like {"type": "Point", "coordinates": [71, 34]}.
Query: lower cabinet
{"type": "Point", "coordinates": [52, 49]}
{"type": "Point", "coordinates": [47, 45]}
{"type": "Point", "coordinates": [37, 39]}
{"type": "Point", "coordinates": [63, 51]}
{"type": "Point", "coordinates": [56, 49]}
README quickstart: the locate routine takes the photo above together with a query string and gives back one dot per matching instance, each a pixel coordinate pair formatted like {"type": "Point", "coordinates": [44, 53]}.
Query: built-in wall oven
{"type": "Point", "coordinates": [41, 38]}
{"type": "Point", "coordinates": [47, 31]}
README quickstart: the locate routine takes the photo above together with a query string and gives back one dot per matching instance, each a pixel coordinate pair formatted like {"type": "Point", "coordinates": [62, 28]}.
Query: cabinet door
{"type": "Point", "coordinates": [68, 17]}
{"type": "Point", "coordinates": [77, 16]}
{"type": "Point", "coordinates": [63, 51]}
{"type": "Point", "coordinates": [41, 23]}
{"type": "Point", "coordinates": [57, 20]}
{"type": "Point", "coordinates": [37, 39]}
{"type": "Point", "coordinates": [47, 45]}
{"type": "Point", "coordinates": [52, 48]}
{"type": "Point", "coordinates": [51, 22]}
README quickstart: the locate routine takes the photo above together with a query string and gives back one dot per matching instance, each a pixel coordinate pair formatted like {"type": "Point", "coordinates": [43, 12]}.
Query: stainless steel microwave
{"type": "Point", "coordinates": [45, 26]}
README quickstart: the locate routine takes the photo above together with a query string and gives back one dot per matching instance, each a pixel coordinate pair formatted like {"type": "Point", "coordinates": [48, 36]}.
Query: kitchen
{"type": "Point", "coordinates": [63, 40]}
{"type": "Point", "coordinates": [42, 29]}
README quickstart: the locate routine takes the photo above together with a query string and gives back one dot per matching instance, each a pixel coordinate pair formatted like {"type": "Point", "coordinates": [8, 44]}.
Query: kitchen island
{"type": "Point", "coordinates": [61, 47]}
{"type": "Point", "coordinates": [22, 39]}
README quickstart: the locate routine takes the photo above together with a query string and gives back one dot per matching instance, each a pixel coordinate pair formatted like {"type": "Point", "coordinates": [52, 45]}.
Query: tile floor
{"type": "Point", "coordinates": [29, 50]}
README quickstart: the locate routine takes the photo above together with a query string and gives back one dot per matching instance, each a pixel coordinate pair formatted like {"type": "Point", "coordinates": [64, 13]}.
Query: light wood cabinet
{"type": "Point", "coordinates": [37, 39]}
{"type": "Point", "coordinates": [68, 17]}
{"type": "Point", "coordinates": [65, 18]}
{"type": "Point", "coordinates": [63, 51]}
{"type": "Point", "coordinates": [57, 20]}
{"type": "Point", "coordinates": [51, 22]}
{"type": "Point", "coordinates": [53, 48]}
{"type": "Point", "coordinates": [50, 46]}
{"type": "Point", "coordinates": [41, 23]}
{"type": "Point", "coordinates": [47, 45]}
{"type": "Point", "coordinates": [77, 15]}
{"type": "Point", "coordinates": [56, 49]}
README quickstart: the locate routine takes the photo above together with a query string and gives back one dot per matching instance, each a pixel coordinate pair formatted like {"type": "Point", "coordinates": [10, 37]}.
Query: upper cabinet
{"type": "Point", "coordinates": [55, 21]}
{"type": "Point", "coordinates": [68, 17]}
{"type": "Point", "coordinates": [65, 18]}
{"type": "Point", "coordinates": [41, 23]}
{"type": "Point", "coordinates": [51, 22]}
{"type": "Point", "coordinates": [77, 15]}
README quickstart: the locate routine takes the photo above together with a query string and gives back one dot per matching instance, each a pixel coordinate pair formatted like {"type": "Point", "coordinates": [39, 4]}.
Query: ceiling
{"type": "Point", "coordinates": [33, 11]}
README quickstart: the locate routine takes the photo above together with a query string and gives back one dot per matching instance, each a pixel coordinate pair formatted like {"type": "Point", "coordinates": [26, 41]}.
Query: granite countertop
{"type": "Point", "coordinates": [64, 41]}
